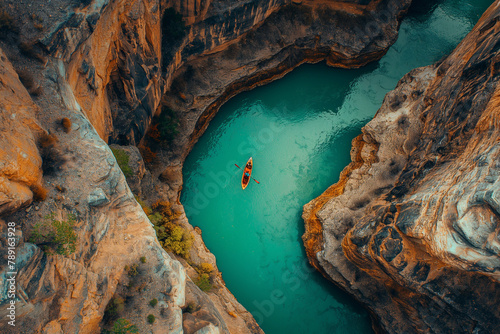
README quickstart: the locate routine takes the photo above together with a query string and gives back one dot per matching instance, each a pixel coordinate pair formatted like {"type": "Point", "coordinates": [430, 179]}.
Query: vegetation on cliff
{"type": "Point", "coordinates": [134, 282]}
{"type": "Point", "coordinates": [173, 237]}
{"type": "Point", "coordinates": [151, 318]}
{"type": "Point", "coordinates": [55, 235]}
{"type": "Point", "coordinates": [122, 326]}
{"type": "Point", "coordinates": [122, 158]}
{"type": "Point", "coordinates": [6, 23]}
{"type": "Point", "coordinates": [203, 281]}
{"type": "Point", "coordinates": [162, 133]}
{"type": "Point", "coordinates": [52, 157]}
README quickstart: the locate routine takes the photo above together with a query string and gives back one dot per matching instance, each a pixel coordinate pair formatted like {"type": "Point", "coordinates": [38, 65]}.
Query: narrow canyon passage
{"type": "Point", "coordinates": [298, 131]}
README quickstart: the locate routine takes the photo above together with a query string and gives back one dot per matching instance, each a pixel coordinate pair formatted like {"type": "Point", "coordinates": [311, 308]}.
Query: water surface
{"type": "Point", "coordinates": [298, 131]}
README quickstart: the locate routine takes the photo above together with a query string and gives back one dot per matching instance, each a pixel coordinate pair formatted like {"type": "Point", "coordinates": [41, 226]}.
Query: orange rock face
{"type": "Point", "coordinates": [117, 68]}
{"type": "Point", "coordinates": [20, 162]}
{"type": "Point", "coordinates": [414, 233]}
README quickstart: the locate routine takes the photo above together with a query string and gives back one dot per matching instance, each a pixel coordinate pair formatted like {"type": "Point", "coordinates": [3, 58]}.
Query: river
{"type": "Point", "coordinates": [299, 131]}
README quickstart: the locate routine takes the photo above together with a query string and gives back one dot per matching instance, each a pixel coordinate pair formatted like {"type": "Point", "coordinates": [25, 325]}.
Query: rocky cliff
{"type": "Point", "coordinates": [20, 167]}
{"type": "Point", "coordinates": [57, 293]}
{"type": "Point", "coordinates": [345, 34]}
{"type": "Point", "coordinates": [53, 124]}
{"type": "Point", "coordinates": [412, 227]}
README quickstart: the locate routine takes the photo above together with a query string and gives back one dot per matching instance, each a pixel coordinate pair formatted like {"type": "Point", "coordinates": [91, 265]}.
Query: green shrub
{"type": "Point", "coordinates": [204, 276]}
{"type": "Point", "coordinates": [179, 241]}
{"type": "Point", "coordinates": [165, 208]}
{"type": "Point", "coordinates": [6, 24]}
{"type": "Point", "coordinates": [122, 159]}
{"type": "Point", "coordinates": [153, 302]}
{"type": "Point", "coordinates": [161, 233]}
{"type": "Point", "coordinates": [56, 235]}
{"type": "Point", "coordinates": [168, 123]}
{"type": "Point", "coordinates": [173, 237]}
{"type": "Point", "coordinates": [164, 128]}
{"type": "Point", "coordinates": [132, 270]}
{"type": "Point", "coordinates": [156, 218]}
{"type": "Point", "coordinates": [143, 259]}
{"type": "Point", "coordinates": [114, 308]}
{"type": "Point", "coordinates": [147, 210]}
{"type": "Point", "coordinates": [122, 326]}
{"type": "Point", "coordinates": [203, 282]}
{"type": "Point", "coordinates": [192, 307]}
{"type": "Point", "coordinates": [151, 318]}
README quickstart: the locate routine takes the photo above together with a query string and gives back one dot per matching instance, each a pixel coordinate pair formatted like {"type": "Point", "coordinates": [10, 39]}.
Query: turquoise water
{"type": "Point", "coordinates": [298, 131]}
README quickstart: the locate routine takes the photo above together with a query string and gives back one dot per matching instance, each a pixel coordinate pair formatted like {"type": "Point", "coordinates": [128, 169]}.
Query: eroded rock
{"type": "Point", "coordinates": [97, 198]}
{"type": "Point", "coordinates": [416, 211]}
{"type": "Point", "coordinates": [20, 161]}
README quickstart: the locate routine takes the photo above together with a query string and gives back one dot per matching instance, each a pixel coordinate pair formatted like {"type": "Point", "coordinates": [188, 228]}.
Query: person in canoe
{"type": "Point", "coordinates": [247, 167]}
{"type": "Point", "coordinates": [247, 172]}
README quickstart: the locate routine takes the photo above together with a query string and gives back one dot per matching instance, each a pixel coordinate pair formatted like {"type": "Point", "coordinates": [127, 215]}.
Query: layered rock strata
{"type": "Point", "coordinates": [412, 228]}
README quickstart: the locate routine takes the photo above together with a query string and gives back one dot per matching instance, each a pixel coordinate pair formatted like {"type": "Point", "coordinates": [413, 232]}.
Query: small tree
{"type": "Point", "coordinates": [179, 241]}
{"type": "Point", "coordinates": [206, 267]}
{"type": "Point", "coordinates": [114, 308]}
{"type": "Point", "coordinates": [132, 270]}
{"type": "Point", "coordinates": [156, 218]}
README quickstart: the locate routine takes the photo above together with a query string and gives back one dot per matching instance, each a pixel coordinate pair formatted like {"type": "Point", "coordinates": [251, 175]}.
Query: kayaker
{"type": "Point", "coordinates": [247, 175]}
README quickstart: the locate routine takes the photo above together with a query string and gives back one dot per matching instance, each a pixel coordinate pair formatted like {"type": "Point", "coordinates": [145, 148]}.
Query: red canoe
{"type": "Point", "coordinates": [248, 169]}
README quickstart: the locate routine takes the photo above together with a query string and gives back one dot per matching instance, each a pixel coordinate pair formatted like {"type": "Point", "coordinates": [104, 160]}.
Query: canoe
{"type": "Point", "coordinates": [248, 168]}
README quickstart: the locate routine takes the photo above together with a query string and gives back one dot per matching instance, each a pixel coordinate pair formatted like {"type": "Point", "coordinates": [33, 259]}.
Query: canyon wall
{"type": "Point", "coordinates": [59, 293]}
{"type": "Point", "coordinates": [85, 63]}
{"type": "Point", "coordinates": [412, 227]}
{"type": "Point", "coordinates": [344, 34]}
{"type": "Point", "coordinates": [123, 55]}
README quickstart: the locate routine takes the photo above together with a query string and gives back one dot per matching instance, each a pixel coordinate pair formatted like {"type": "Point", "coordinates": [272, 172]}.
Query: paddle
{"type": "Point", "coordinates": [250, 176]}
